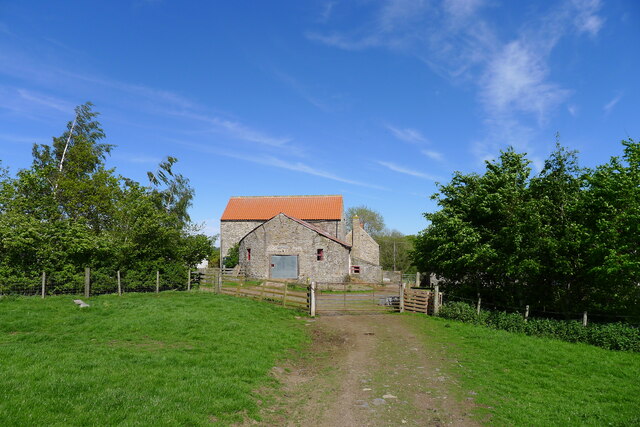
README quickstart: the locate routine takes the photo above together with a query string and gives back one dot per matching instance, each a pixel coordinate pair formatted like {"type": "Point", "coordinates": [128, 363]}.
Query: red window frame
{"type": "Point", "coordinates": [355, 269]}
{"type": "Point", "coordinates": [248, 254]}
{"type": "Point", "coordinates": [320, 254]}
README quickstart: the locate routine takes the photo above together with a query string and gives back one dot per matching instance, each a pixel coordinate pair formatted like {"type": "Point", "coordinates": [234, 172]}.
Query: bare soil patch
{"type": "Point", "coordinates": [367, 370]}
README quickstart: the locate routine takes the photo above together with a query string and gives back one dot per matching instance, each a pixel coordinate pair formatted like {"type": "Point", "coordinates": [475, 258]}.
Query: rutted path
{"type": "Point", "coordinates": [368, 370]}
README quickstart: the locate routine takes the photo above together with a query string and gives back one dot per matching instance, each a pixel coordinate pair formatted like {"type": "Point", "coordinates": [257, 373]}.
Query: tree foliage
{"type": "Point", "coordinates": [395, 251]}
{"type": "Point", "coordinates": [564, 240]}
{"type": "Point", "coordinates": [372, 221]}
{"type": "Point", "coordinates": [69, 211]}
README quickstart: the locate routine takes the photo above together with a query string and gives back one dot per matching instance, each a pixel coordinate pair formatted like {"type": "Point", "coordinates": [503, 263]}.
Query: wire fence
{"type": "Point", "coordinates": [531, 311]}
{"type": "Point", "coordinates": [99, 281]}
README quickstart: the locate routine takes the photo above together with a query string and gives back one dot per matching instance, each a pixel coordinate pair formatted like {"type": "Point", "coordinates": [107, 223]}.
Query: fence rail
{"type": "Point", "coordinates": [99, 282]}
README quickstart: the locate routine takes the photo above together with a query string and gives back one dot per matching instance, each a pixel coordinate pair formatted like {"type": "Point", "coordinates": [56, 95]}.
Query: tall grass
{"type": "Point", "coordinates": [522, 380]}
{"type": "Point", "coordinates": [171, 358]}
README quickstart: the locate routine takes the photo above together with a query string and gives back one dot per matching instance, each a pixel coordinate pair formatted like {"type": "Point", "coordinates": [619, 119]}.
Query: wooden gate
{"type": "Point", "coordinates": [353, 298]}
{"type": "Point", "coordinates": [420, 300]}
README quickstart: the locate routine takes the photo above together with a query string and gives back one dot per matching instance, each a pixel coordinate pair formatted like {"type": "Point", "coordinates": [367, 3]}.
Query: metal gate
{"type": "Point", "coordinates": [284, 267]}
{"type": "Point", "coordinates": [356, 298]}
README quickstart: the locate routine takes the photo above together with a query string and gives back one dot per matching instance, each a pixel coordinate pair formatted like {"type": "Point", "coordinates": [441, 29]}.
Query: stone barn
{"type": "Point", "coordinates": [274, 242]}
{"type": "Point", "coordinates": [243, 214]}
{"type": "Point", "coordinates": [289, 248]}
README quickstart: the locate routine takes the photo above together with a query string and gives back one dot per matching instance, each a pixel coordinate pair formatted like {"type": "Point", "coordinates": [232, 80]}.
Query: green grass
{"type": "Point", "coordinates": [521, 380]}
{"type": "Point", "coordinates": [141, 359]}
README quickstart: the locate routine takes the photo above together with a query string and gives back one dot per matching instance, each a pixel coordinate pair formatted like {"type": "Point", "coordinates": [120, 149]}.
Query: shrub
{"type": "Point", "coordinates": [612, 336]}
{"type": "Point", "coordinates": [458, 311]}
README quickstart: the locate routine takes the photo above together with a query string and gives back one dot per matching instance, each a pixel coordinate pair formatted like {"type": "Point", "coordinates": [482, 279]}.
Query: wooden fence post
{"type": "Point", "coordinates": [284, 297]}
{"type": "Point", "coordinates": [402, 287]}
{"type": "Point", "coordinates": [584, 319]}
{"type": "Point", "coordinates": [44, 281]}
{"type": "Point", "coordinates": [436, 300]}
{"type": "Point", "coordinates": [87, 282]}
{"type": "Point", "coordinates": [188, 279]}
{"type": "Point", "coordinates": [262, 291]}
{"type": "Point", "coordinates": [312, 300]}
{"type": "Point", "coordinates": [417, 279]}
{"type": "Point", "coordinates": [478, 305]}
{"type": "Point", "coordinates": [157, 281]}
{"type": "Point", "coordinates": [526, 313]}
{"type": "Point", "coordinates": [119, 284]}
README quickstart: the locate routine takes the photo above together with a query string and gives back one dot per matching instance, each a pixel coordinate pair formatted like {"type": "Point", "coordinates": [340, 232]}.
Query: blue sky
{"type": "Point", "coordinates": [374, 100]}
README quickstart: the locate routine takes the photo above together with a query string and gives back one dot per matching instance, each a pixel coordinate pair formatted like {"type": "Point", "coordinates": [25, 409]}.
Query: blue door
{"type": "Point", "coordinates": [284, 266]}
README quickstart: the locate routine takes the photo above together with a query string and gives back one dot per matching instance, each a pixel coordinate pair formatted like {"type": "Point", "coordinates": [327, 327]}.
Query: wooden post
{"type": "Point", "coordinates": [402, 286]}
{"type": "Point", "coordinates": [87, 282]}
{"type": "Point", "coordinates": [44, 281]}
{"type": "Point", "coordinates": [119, 284]}
{"type": "Point", "coordinates": [262, 291]}
{"type": "Point", "coordinates": [188, 279]}
{"type": "Point", "coordinates": [157, 281]}
{"type": "Point", "coordinates": [417, 279]}
{"type": "Point", "coordinates": [219, 281]}
{"type": "Point", "coordinates": [479, 303]}
{"type": "Point", "coordinates": [436, 300]}
{"type": "Point", "coordinates": [238, 287]}
{"type": "Point", "coordinates": [284, 297]}
{"type": "Point", "coordinates": [526, 313]}
{"type": "Point", "coordinates": [312, 299]}
{"type": "Point", "coordinates": [584, 319]}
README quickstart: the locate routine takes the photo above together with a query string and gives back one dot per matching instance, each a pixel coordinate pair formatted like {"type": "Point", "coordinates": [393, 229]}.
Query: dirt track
{"type": "Point", "coordinates": [367, 370]}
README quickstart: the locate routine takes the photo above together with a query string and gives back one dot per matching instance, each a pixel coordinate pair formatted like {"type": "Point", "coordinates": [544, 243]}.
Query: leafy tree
{"type": "Point", "coordinates": [172, 190]}
{"type": "Point", "coordinates": [69, 211]}
{"type": "Point", "coordinates": [372, 221]}
{"type": "Point", "coordinates": [233, 256]}
{"type": "Point", "coordinates": [565, 240]}
{"type": "Point", "coordinates": [395, 250]}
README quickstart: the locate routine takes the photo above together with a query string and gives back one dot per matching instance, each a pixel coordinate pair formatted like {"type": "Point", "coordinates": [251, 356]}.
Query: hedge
{"type": "Point", "coordinates": [611, 336]}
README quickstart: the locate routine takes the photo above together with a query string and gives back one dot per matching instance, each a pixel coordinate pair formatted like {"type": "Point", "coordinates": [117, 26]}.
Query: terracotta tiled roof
{"type": "Point", "coordinates": [266, 207]}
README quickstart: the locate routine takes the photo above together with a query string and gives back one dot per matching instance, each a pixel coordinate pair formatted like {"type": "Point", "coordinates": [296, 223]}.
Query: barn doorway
{"type": "Point", "coordinates": [284, 267]}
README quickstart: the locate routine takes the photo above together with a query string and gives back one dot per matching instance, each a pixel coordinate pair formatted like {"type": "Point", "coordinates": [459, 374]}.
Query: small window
{"type": "Point", "coordinates": [248, 254]}
{"type": "Point", "coordinates": [355, 269]}
{"type": "Point", "coordinates": [320, 254]}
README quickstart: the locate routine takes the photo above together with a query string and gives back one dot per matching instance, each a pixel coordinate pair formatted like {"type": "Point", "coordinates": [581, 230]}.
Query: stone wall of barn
{"type": "Point", "coordinates": [232, 231]}
{"type": "Point", "coordinates": [284, 236]}
{"type": "Point", "coordinates": [332, 227]}
{"type": "Point", "coordinates": [368, 272]}
{"type": "Point", "coordinates": [363, 247]}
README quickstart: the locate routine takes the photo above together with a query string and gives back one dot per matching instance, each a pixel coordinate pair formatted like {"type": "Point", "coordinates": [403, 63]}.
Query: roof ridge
{"type": "Point", "coordinates": [301, 195]}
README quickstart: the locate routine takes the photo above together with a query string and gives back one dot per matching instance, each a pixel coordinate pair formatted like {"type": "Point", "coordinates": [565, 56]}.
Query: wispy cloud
{"type": "Point", "coordinates": [400, 169]}
{"type": "Point", "coordinates": [133, 96]}
{"type": "Point", "coordinates": [609, 105]}
{"type": "Point", "coordinates": [327, 10]}
{"type": "Point", "coordinates": [511, 75]}
{"type": "Point", "coordinates": [516, 79]}
{"type": "Point", "coordinates": [280, 163]}
{"type": "Point", "coordinates": [408, 135]}
{"type": "Point", "coordinates": [326, 103]}
{"type": "Point", "coordinates": [587, 19]}
{"type": "Point", "coordinates": [433, 155]}
{"type": "Point", "coordinates": [47, 101]}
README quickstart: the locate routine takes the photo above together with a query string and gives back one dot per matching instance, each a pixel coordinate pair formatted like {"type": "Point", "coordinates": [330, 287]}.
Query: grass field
{"type": "Point", "coordinates": [521, 380]}
{"type": "Point", "coordinates": [166, 359]}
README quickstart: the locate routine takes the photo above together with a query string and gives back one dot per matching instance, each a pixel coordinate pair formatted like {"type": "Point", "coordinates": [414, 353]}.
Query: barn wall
{"type": "Point", "coordinates": [363, 246]}
{"type": "Point", "coordinates": [232, 231]}
{"type": "Point", "coordinates": [333, 227]}
{"type": "Point", "coordinates": [283, 236]}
